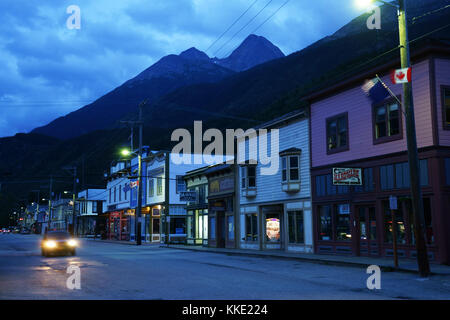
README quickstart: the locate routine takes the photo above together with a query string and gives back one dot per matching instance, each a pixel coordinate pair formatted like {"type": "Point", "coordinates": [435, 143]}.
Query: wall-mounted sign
{"type": "Point", "coordinates": [221, 185]}
{"type": "Point", "coordinates": [188, 196]}
{"type": "Point", "coordinates": [347, 176]}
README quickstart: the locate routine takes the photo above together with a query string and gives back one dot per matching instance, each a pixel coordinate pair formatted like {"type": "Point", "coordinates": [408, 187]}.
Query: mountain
{"type": "Point", "coordinates": [244, 56]}
{"type": "Point", "coordinates": [239, 100]}
{"type": "Point", "coordinates": [168, 74]}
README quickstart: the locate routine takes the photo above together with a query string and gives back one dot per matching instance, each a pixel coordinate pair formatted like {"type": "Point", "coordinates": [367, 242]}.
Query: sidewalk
{"type": "Point", "coordinates": [155, 244]}
{"type": "Point", "coordinates": [405, 265]}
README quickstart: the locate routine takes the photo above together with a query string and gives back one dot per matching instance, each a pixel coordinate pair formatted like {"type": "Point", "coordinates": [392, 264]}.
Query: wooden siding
{"type": "Point", "coordinates": [268, 187]}
{"type": "Point", "coordinates": [359, 108]}
{"type": "Point", "coordinates": [442, 68]}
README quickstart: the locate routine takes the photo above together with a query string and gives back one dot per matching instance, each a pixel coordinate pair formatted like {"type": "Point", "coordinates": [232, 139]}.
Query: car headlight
{"type": "Point", "coordinates": [50, 244]}
{"type": "Point", "coordinates": [72, 243]}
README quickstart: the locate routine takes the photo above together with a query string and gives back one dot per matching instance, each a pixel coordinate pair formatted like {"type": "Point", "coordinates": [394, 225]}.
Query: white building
{"type": "Point", "coordinates": [275, 209]}
{"type": "Point", "coordinates": [166, 211]}
{"type": "Point", "coordinates": [90, 203]}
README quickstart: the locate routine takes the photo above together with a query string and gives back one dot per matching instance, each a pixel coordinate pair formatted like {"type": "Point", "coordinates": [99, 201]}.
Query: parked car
{"type": "Point", "coordinates": [58, 242]}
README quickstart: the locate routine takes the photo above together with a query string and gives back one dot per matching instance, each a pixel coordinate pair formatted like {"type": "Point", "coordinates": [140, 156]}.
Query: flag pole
{"type": "Point", "coordinates": [392, 94]}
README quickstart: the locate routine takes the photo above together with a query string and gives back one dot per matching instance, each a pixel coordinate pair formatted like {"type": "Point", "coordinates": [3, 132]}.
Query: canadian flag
{"type": "Point", "coordinates": [134, 184]}
{"type": "Point", "coordinates": [401, 76]}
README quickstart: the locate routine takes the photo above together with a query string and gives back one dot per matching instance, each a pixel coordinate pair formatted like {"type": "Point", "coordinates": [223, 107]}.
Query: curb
{"type": "Point", "coordinates": [311, 260]}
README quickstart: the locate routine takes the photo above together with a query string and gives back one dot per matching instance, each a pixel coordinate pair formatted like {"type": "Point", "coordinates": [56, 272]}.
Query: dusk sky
{"type": "Point", "coordinates": [47, 70]}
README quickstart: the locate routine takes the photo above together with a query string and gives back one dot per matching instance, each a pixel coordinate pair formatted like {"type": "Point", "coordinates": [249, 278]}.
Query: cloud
{"type": "Point", "coordinates": [48, 71]}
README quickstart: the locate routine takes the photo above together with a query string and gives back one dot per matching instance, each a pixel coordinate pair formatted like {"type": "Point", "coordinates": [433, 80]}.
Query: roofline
{"type": "Point", "coordinates": [356, 80]}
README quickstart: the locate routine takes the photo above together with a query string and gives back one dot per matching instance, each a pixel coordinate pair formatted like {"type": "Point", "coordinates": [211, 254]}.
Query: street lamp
{"type": "Point", "coordinates": [125, 152]}
{"type": "Point", "coordinates": [413, 158]}
{"type": "Point", "coordinates": [138, 218]}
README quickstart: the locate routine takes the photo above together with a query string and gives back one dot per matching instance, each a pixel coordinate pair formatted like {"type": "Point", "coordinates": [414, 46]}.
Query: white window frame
{"type": "Point", "coordinates": [287, 160]}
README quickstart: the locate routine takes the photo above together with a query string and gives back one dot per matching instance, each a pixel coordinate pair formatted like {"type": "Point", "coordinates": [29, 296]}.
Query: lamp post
{"type": "Point", "coordinates": [413, 158]}
{"type": "Point", "coordinates": [139, 154]}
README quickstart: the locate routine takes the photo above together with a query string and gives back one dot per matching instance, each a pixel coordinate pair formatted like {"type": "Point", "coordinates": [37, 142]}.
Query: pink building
{"type": "Point", "coordinates": [348, 131]}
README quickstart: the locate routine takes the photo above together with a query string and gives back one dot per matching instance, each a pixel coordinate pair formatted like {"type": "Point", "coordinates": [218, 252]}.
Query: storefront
{"type": "Point", "coordinates": [221, 206]}
{"type": "Point", "coordinates": [118, 226]}
{"type": "Point", "coordinates": [358, 220]}
{"type": "Point", "coordinates": [197, 207]}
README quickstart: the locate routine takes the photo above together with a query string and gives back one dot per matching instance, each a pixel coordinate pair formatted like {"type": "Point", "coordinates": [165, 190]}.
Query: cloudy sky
{"type": "Point", "coordinates": [48, 70]}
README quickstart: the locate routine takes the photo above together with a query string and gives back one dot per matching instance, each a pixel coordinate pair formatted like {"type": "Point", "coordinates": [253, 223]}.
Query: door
{"type": "Point", "coordinates": [366, 225]}
{"type": "Point", "coordinates": [221, 229]}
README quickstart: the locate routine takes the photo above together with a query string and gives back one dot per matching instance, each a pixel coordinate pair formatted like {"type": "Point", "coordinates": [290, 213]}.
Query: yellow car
{"type": "Point", "coordinates": [58, 242]}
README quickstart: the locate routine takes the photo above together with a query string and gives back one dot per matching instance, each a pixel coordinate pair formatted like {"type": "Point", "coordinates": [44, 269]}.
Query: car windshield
{"type": "Point", "coordinates": [58, 235]}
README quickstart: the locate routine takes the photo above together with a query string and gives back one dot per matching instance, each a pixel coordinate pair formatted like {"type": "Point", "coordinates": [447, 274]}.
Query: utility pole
{"type": "Point", "coordinates": [74, 198]}
{"type": "Point", "coordinates": [138, 224]}
{"type": "Point", "coordinates": [413, 159]}
{"type": "Point", "coordinates": [50, 203]}
{"type": "Point", "coordinates": [139, 202]}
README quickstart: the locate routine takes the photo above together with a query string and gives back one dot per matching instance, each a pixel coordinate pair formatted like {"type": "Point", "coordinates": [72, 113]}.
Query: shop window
{"type": "Point", "coordinates": [205, 224]}
{"type": "Point", "coordinates": [368, 182]}
{"type": "Point", "coordinates": [181, 184]}
{"type": "Point", "coordinates": [115, 194]}
{"type": "Point", "coordinates": [400, 225]}
{"type": "Point", "coordinates": [155, 226]}
{"type": "Point", "coordinates": [94, 206]}
{"type": "Point", "coordinates": [342, 218]}
{"type": "Point", "coordinates": [337, 133]}
{"type": "Point", "coordinates": [396, 176]}
{"type": "Point", "coordinates": [151, 187]}
{"type": "Point", "coordinates": [109, 195]}
{"type": "Point", "coordinates": [177, 225]}
{"type": "Point", "coordinates": [387, 122]}
{"type": "Point", "coordinates": [159, 186]}
{"type": "Point", "coordinates": [446, 106]}
{"type": "Point", "coordinates": [251, 227]}
{"type": "Point", "coordinates": [296, 227]}
{"type": "Point", "coordinates": [230, 229]}
{"type": "Point", "coordinates": [325, 228]}
{"type": "Point", "coordinates": [325, 186]}
{"type": "Point", "coordinates": [212, 228]}
{"type": "Point", "coordinates": [120, 193]}
{"type": "Point", "coordinates": [273, 227]}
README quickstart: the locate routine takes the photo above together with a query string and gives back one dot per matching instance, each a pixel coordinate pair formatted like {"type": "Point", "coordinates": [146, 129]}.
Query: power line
{"type": "Point", "coordinates": [250, 21]}
{"type": "Point", "coordinates": [429, 13]}
{"type": "Point", "coordinates": [253, 32]}
{"type": "Point", "coordinates": [220, 37]}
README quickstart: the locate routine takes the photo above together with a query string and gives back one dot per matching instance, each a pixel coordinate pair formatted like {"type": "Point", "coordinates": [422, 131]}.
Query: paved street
{"type": "Point", "coordinates": [117, 271]}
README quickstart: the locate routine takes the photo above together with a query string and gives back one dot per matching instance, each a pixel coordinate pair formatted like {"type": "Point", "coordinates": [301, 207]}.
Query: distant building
{"type": "Point", "coordinates": [90, 204]}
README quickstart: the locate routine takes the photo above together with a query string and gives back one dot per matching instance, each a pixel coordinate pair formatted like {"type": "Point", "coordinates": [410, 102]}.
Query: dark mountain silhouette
{"type": "Point", "coordinates": [169, 73]}
{"type": "Point", "coordinates": [244, 56]}
{"type": "Point", "coordinates": [241, 99]}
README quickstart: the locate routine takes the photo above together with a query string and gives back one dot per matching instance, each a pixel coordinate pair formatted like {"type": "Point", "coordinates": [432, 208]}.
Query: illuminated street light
{"type": "Point", "coordinates": [125, 152]}
{"type": "Point", "coordinates": [363, 4]}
